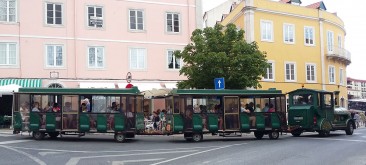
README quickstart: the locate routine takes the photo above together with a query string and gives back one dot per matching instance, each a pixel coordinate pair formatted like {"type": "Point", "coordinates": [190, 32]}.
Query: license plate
{"type": "Point", "coordinates": [298, 118]}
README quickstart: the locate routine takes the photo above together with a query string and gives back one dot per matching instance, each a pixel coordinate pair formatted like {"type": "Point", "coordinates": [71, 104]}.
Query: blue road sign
{"type": "Point", "coordinates": [219, 83]}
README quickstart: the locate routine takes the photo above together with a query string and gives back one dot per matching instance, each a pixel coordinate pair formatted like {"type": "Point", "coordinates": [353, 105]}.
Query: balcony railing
{"type": "Point", "coordinates": [339, 54]}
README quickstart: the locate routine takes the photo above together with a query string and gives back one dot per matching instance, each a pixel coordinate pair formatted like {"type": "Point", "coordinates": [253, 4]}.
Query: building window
{"type": "Point", "coordinates": [289, 33]}
{"type": "Point", "coordinates": [341, 76]}
{"type": "Point", "coordinates": [8, 10]}
{"type": "Point", "coordinates": [54, 56]}
{"type": "Point", "coordinates": [8, 53]}
{"type": "Point", "coordinates": [309, 35]}
{"type": "Point", "coordinates": [266, 30]}
{"type": "Point", "coordinates": [330, 41]}
{"type": "Point", "coordinates": [96, 57]}
{"type": "Point", "coordinates": [136, 20]}
{"type": "Point", "coordinates": [290, 72]}
{"type": "Point", "coordinates": [95, 16]}
{"type": "Point", "coordinates": [137, 58]}
{"type": "Point", "coordinates": [340, 42]}
{"type": "Point", "coordinates": [53, 14]}
{"type": "Point", "coordinates": [310, 73]}
{"type": "Point", "coordinates": [269, 76]}
{"type": "Point", "coordinates": [173, 62]}
{"type": "Point", "coordinates": [331, 74]}
{"type": "Point", "coordinates": [173, 22]}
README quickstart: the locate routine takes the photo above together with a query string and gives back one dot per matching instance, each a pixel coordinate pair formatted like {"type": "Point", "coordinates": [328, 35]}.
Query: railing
{"type": "Point", "coordinates": [340, 53]}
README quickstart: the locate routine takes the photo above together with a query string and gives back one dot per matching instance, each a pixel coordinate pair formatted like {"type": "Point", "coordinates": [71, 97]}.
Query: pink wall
{"type": "Point", "coordinates": [115, 37]}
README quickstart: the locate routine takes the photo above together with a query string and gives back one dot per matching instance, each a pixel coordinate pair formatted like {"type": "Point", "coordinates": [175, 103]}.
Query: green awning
{"type": "Point", "coordinates": [26, 83]}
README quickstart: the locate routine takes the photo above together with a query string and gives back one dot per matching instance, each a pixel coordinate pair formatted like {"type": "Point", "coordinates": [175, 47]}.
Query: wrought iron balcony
{"type": "Point", "coordinates": [339, 54]}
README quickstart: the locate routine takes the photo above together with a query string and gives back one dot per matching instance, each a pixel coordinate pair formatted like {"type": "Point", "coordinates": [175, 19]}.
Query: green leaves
{"type": "Point", "coordinates": [221, 52]}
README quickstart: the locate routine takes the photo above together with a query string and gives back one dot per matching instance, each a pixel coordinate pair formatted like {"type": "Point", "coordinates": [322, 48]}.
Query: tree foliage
{"type": "Point", "coordinates": [221, 52]}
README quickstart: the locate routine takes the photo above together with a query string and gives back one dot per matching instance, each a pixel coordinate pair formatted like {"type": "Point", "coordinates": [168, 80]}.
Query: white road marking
{"type": "Point", "coordinates": [13, 141]}
{"type": "Point", "coordinates": [165, 161]}
{"type": "Point", "coordinates": [47, 153]}
{"type": "Point", "coordinates": [75, 160]}
{"type": "Point", "coordinates": [348, 140]}
{"type": "Point", "coordinates": [134, 161]}
{"type": "Point", "coordinates": [6, 135]}
{"type": "Point", "coordinates": [40, 162]}
{"type": "Point", "coordinates": [72, 151]}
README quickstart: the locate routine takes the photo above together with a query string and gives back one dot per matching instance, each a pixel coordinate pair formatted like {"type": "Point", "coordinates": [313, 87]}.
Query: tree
{"type": "Point", "coordinates": [215, 52]}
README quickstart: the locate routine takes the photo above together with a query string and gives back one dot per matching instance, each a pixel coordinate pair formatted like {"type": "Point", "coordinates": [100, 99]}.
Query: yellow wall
{"type": "Point", "coordinates": [280, 52]}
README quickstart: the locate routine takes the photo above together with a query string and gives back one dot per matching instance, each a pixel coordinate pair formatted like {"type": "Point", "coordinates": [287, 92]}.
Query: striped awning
{"type": "Point", "coordinates": [26, 83]}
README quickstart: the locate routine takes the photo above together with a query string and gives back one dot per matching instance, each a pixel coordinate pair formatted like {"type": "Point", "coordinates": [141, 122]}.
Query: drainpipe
{"type": "Point", "coordinates": [75, 56]}
{"type": "Point", "coordinates": [322, 49]}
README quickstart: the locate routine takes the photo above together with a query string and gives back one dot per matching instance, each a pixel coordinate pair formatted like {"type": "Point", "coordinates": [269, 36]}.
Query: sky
{"type": "Point", "coordinates": [353, 14]}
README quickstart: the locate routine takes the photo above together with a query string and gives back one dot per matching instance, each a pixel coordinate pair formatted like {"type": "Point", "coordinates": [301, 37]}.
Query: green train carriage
{"type": "Point", "coordinates": [193, 113]}
{"type": "Point", "coordinates": [55, 111]}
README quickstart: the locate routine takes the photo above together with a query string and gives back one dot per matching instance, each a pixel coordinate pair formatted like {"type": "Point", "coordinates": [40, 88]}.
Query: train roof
{"type": "Point", "coordinates": [107, 91]}
{"type": "Point", "coordinates": [239, 92]}
{"type": "Point", "coordinates": [307, 90]}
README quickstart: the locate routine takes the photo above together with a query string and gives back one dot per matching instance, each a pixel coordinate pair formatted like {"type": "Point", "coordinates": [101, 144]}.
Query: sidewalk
{"type": "Point", "coordinates": [6, 131]}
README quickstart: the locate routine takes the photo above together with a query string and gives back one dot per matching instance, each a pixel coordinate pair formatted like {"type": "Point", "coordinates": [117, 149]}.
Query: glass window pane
{"type": "Point", "coordinates": [91, 57]}
{"type": "Point", "coordinates": [50, 55]}
{"type": "Point", "coordinates": [12, 54]}
{"type": "Point", "coordinates": [59, 56]}
{"type": "Point", "coordinates": [2, 53]}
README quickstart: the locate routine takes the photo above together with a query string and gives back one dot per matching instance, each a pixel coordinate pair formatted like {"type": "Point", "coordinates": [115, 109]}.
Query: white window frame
{"type": "Point", "coordinates": [95, 66]}
{"type": "Point", "coordinates": [306, 72]}
{"type": "Point", "coordinates": [144, 56]}
{"type": "Point", "coordinates": [306, 28]}
{"type": "Point", "coordinates": [294, 75]}
{"type": "Point", "coordinates": [341, 76]}
{"type": "Point", "coordinates": [267, 29]}
{"type": "Point", "coordinates": [88, 19]}
{"type": "Point", "coordinates": [8, 12]}
{"type": "Point", "coordinates": [54, 13]}
{"type": "Point", "coordinates": [174, 60]}
{"type": "Point", "coordinates": [330, 41]}
{"type": "Point", "coordinates": [136, 19]}
{"type": "Point", "coordinates": [7, 64]}
{"type": "Point", "coordinates": [267, 71]}
{"type": "Point", "coordinates": [55, 55]}
{"type": "Point", "coordinates": [331, 74]}
{"type": "Point", "coordinates": [166, 22]}
{"type": "Point", "coordinates": [287, 33]}
{"type": "Point", "coordinates": [340, 43]}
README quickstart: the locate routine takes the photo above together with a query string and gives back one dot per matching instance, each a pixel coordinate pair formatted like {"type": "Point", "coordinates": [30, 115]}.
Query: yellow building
{"type": "Point", "coordinates": [304, 44]}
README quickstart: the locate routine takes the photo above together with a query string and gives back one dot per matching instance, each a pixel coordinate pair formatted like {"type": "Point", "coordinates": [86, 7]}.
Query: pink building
{"type": "Point", "coordinates": [94, 43]}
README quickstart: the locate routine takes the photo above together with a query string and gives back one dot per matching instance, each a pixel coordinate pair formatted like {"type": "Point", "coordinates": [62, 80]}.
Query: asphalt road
{"type": "Point", "coordinates": [308, 149]}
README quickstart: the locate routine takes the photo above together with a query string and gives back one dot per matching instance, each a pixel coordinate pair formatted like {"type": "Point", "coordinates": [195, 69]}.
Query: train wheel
{"type": "Point", "coordinates": [53, 135]}
{"type": "Point", "coordinates": [296, 133]}
{"type": "Point", "coordinates": [258, 135]}
{"type": "Point", "coordinates": [349, 129]}
{"type": "Point", "coordinates": [274, 135]}
{"type": "Point", "coordinates": [120, 138]}
{"type": "Point", "coordinates": [38, 135]}
{"type": "Point", "coordinates": [324, 133]}
{"type": "Point", "coordinates": [197, 137]}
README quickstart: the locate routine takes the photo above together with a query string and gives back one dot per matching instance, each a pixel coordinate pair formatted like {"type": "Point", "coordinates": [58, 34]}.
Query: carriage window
{"type": "Point", "coordinates": [169, 105]}
{"type": "Point", "coordinates": [99, 104]}
{"type": "Point", "coordinates": [328, 100]}
{"type": "Point", "coordinates": [302, 99]}
{"type": "Point", "coordinates": [70, 104]}
{"type": "Point", "coordinates": [178, 105]}
{"type": "Point", "coordinates": [199, 105]}
{"type": "Point", "coordinates": [231, 105]}
{"type": "Point", "coordinates": [45, 103]}
{"type": "Point", "coordinates": [212, 104]}
{"type": "Point", "coordinates": [139, 104]}
{"type": "Point", "coordinates": [244, 103]}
